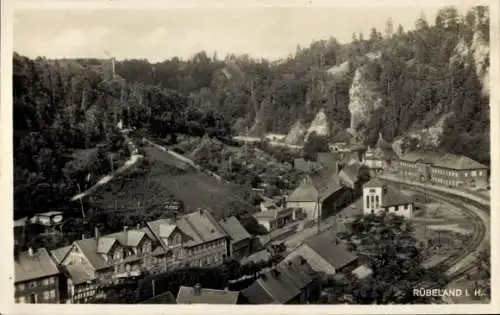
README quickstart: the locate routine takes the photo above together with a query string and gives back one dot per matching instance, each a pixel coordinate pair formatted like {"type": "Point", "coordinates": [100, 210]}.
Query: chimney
{"type": "Point", "coordinates": [83, 236]}
{"type": "Point", "coordinates": [125, 232]}
{"type": "Point", "coordinates": [138, 226]}
{"type": "Point", "coordinates": [197, 289]}
{"type": "Point", "coordinates": [30, 252]}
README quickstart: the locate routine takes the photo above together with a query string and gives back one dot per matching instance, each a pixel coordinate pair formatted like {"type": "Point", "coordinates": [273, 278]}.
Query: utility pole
{"type": "Point", "coordinates": [318, 210]}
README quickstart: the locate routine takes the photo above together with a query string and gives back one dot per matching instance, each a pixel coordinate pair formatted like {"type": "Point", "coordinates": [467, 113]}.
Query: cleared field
{"type": "Point", "coordinates": [149, 185]}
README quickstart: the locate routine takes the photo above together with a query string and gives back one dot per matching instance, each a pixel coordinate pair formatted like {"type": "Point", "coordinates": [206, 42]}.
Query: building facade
{"type": "Point", "coordinates": [36, 277]}
{"type": "Point", "coordinates": [274, 219]}
{"type": "Point", "coordinates": [443, 169]}
{"type": "Point", "coordinates": [194, 240]}
{"type": "Point", "coordinates": [379, 197]}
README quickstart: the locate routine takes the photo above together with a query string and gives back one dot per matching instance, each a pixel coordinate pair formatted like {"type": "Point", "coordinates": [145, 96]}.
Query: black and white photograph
{"type": "Point", "coordinates": [285, 155]}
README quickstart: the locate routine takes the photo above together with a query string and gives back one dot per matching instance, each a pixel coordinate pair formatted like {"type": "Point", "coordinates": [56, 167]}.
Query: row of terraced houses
{"type": "Point", "coordinates": [77, 273]}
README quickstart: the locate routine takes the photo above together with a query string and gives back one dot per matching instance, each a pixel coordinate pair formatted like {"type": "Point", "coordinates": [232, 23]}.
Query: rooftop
{"type": "Point", "coordinates": [458, 162]}
{"type": "Point", "coordinates": [32, 266]}
{"type": "Point", "coordinates": [164, 298]}
{"type": "Point", "coordinates": [327, 246]}
{"type": "Point", "coordinates": [318, 185]}
{"type": "Point", "coordinates": [194, 295]}
{"type": "Point", "coordinates": [393, 197]}
{"type": "Point", "coordinates": [374, 183]}
{"type": "Point", "coordinates": [234, 229]}
{"type": "Point", "coordinates": [200, 226]}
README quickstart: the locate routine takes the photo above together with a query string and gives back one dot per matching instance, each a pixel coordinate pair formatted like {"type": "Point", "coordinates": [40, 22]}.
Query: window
{"type": "Point", "coordinates": [376, 201]}
{"type": "Point", "coordinates": [32, 284]}
{"type": "Point", "coordinates": [46, 295]}
{"type": "Point", "coordinates": [45, 281]}
{"type": "Point", "coordinates": [20, 286]}
{"type": "Point", "coordinates": [368, 201]}
{"type": "Point", "coordinates": [33, 298]}
{"type": "Point", "coordinates": [372, 190]}
{"type": "Point", "coordinates": [372, 201]}
{"type": "Point", "coordinates": [22, 299]}
{"type": "Point", "coordinates": [405, 207]}
{"type": "Point", "coordinates": [52, 280]}
{"type": "Point", "coordinates": [480, 173]}
{"type": "Point", "coordinates": [466, 174]}
{"type": "Point", "coordinates": [473, 173]}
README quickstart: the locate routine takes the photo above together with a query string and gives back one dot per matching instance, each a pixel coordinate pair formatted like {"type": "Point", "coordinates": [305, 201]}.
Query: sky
{"type": "Point", "coordinates": [159, 34]}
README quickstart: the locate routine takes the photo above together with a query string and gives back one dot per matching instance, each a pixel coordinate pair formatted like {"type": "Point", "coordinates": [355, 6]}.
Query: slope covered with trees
{"type": "Point", "coordinates": [417, 76]}
{"type": "Point", "coordinates": [65, 111]}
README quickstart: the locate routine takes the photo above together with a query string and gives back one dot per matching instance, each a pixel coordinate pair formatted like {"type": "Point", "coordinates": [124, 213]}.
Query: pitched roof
{"type": "Point", "coordinates": [234, 229]}
{"type": "Point", "coordinates": [88, 247]}
{"type": "Point", "coordinates": [128, 238]}
{"type": "Point", "coordinates": [350, 172]}
{"type": "Point", "coordinates": [424, 156]}
{"type": "Point", "coordinates": [200, 226]}
{"type": "Point", "coordinates": [393, 197]}
{"type": "Point", "coordinates": [272, 287]}
{"type": "Point", "coordinates": [58, 254]}
{"type": "Point", "coordinates": [326, 246]}
{"type": "Point", "coordinates": [164, 298]}
{"type": "Point", "coordinates": [38, 265]}
{"type": "Point", "coordinates": [188, 295]}
{"type": "Point", "coordinates": [104, 244]}
{"type": "Point", "coordinates": [319, 184]}
{"type": "Point", "coordinates": [374, 183]}
{"type": "Point", "coordinates": [79, 273]}
{"type": "Point", "coordinates": [20, 222]}
{"type": "Point", "coordinates": [458, 162]}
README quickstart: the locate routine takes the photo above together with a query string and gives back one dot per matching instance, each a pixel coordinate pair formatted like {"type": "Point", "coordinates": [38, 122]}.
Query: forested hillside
{"type": "Point", "coordinates": [65, 117]}
{"type": "Point", "coordinates": [390, 81]}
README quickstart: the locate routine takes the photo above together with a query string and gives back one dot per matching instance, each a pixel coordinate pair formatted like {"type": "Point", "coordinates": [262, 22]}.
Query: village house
{"type": "Point", "coordinates": [320, 194]}
{"type": "Point", "coordinates": [276, 218]}
{"type": "Point", "coordinates": [379, 197]}
{"type": "Point", "coordinates": [460, 172]}
{"type": "Point", "coordinates": [194, 240]}
{"type": "Point", "coordinates": [326, 255]}
{"type": "Point", "coordinates": [290, 282]}
{"type": "Point", "coordinates": [443, 169]}
{"type": "Point", "coordinates": [36, 277]}
{"type": "Point", "coordinates": [381, 158]}
{"type": "Point", "coordinates": [20, 227]}
{"type": "Point", "coordinates": [51, 221]}
{"type": "Point", "coordinates": [240, 244]}
{"type": "Point", "coordinates": [417, 166]}
{"type": "Point", "coordinates": [91, 262]}
{"type": "Point", "coordinates": [199, 295]}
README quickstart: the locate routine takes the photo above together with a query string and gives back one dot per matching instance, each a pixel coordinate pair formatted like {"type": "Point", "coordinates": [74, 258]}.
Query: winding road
{"type": "Point", "coordinates": [134, 157]}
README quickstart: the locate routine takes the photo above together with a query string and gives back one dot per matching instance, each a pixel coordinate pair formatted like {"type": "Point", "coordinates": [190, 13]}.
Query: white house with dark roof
{"type": "Point", "coordinates": [380, 197]}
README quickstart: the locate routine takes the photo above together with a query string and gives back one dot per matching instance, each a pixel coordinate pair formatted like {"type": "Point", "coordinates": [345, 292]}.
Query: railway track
{"type": "Point", "coordinates": [452, 263]}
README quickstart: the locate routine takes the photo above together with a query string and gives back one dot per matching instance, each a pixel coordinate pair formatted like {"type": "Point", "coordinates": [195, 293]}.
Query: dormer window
{"type": "Point", "coordinates": [118, 255]}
